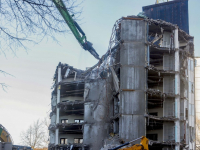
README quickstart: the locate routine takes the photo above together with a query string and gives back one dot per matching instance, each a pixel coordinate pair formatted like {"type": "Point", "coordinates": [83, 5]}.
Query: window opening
{"type": "Point", "coordinates": [78, 140]}
{"type": "Point", "coordinates": [63, 141]}
{"type": "Point", "coordinates": [78, 120]}
{"type": "Point", "coordinates": [64, 120]}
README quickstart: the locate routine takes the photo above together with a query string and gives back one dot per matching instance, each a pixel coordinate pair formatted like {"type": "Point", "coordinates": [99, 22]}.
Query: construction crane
{"type": "Point", "coordinates": [75, 28]}
{"type": "Point", "coordinates": [142, 146]}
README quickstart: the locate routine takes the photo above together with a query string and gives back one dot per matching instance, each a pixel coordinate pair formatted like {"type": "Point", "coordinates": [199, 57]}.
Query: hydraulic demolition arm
{"type": "Point", "coordinates": [142, 146]}
{"type": "Point", "coordinates": [75, 28]}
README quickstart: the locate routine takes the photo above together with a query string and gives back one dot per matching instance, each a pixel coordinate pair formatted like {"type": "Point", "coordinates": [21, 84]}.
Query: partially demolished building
{"type": "Point", "coordinates": [142, 86]}
{"type": "Point", "coordinates": [67, 108]}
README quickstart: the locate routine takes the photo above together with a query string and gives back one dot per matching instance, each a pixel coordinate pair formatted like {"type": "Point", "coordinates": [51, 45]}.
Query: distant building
{"type": "Point", "coordinates": [6, 142]}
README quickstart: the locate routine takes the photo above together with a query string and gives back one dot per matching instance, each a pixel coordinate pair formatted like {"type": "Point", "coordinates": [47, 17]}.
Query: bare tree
{"type": "Point", "coordinates": [3, 85]}
{"type": "Point", "coordinates": [30, 21]}
{"type": "Point", "coordinates": [46, 123]}
{"type": "Point", "coordinates": [36, 136]}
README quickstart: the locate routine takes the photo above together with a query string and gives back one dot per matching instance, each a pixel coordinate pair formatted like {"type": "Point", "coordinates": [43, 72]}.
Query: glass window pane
{"type": "Point", "coordinates": [66, 121]}
{"type": "Point", "coordinates": [62, 141]}
{"type": "Point", "coordinates": [81, 121]}
{"type": "Point", "coordinates": [75, 140]}
{"type": "Point", "coordinates": [81, 141]}
{"type": "Point", "coordinates": [66, 141]}
{"type": "Point", "coordinates": [76, 120]}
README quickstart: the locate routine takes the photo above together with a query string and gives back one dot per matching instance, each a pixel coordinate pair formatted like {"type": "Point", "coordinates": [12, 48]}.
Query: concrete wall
{"type": "Point", "coordinates": [168, 62]}
{"type": "Point", "coordinates": [53, 119]}
{"type": "Point", "coordinates": [53, 100]}
{"type": "Point", "coordinates": [197, 98]}
{"type": "Point", "coordinates": [133, 58]}
{"type": "Point", "coordinates": [169, 131]}
{"type": "Point", "coordinates": [52, 137]}
{"type": "Point", "coordinates": [97, 113]}
{"type": "Point", "coordinates": [169, 107]}
{"type": "Point", "coordinates": [168, 84]}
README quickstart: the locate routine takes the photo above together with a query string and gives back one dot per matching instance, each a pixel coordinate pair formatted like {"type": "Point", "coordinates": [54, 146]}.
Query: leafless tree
{"type": "Point", "coordinates": [30, 21]}
{"type": "Point", "coordinates": [3, 85]}
{"type": "Point", "coordinates": [36, 136]}
{"type": "Point", "coordinates": [46, 123]}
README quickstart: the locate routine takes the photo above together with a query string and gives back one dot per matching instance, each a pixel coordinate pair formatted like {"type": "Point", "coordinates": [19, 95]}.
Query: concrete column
{"type": "Point", "coordinates": [96, 112]}
{"type": "Point", "coordinates": [57, 109]}
{"type": "Point", "coordinates": [133, 58]}
{"type": "Point", "coordinates": [177, 89]}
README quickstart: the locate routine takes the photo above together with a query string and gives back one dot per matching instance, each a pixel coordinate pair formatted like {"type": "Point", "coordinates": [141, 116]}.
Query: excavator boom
{"type": "Point", "coordinates": [142, 146]}
{"type": "Point", "coordinates": [75, 28]}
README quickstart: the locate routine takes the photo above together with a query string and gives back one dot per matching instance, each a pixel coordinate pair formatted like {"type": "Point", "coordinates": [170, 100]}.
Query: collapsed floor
{"type": "Point", "coordinates": [142, 86]}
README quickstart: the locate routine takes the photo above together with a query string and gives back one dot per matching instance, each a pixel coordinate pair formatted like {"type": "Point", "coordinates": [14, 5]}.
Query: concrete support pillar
{"type": "Point", "coordinates": [133, 58]}
{"type": "Point", "coordinates": [57, 109]}
{"type": "Point", "coordinates": [177, 89]}
{"type": "Point", "coordinates": [97, 113]}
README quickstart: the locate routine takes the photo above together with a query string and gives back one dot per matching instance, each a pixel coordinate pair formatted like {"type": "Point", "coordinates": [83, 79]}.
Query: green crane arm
{"type": "Point", "coordinates": [75, 28]}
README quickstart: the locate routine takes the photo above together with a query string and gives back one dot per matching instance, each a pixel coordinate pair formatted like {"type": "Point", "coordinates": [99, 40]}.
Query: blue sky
{"type": "Point", "coordinates": [29, 95]}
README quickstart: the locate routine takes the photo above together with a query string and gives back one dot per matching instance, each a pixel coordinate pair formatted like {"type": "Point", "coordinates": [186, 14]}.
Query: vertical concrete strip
{"type": "Point", "coordinates": [58, 101]}
{"type": "Point", "coordinates": [133, 55]}
{"type": "Point", "coordinates": [96, 112]}
{"type": "Point", "coordinates": [177, 89]}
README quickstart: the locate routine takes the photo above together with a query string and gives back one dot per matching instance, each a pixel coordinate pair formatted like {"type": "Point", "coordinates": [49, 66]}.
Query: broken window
{"type": "Point", "coordinates": [63, 141]}
{"type": "Point", "coordinates": [64, 120]}
{"type": "Point", "coordinates": [186, 113]}
{"type": "Point", "coordinates": [78, 140]}
{"type": "Point", "coordinates": [116, 126]}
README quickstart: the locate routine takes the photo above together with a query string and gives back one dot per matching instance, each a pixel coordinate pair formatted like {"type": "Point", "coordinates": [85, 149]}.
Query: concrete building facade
{"type": "Point", "coordinates": [197, 99]}
{"type": "Point", "coordinates": [142, 86]}
{"type": "Point", "coordinates": [67, 109]}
